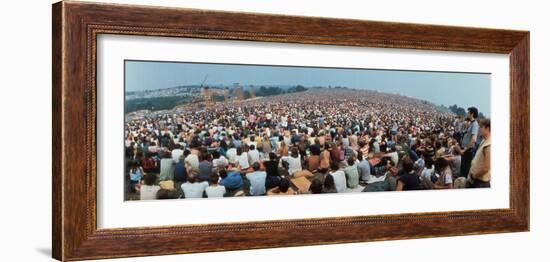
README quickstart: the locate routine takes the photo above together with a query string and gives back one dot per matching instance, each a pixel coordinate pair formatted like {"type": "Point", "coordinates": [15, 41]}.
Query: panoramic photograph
{"type": "Point", "coordinates": [211, 130]}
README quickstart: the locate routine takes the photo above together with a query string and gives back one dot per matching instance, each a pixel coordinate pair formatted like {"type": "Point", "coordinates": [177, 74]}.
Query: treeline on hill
{"type": "Point", "coordinates": [274, 90]}
{"type": "Point", "coordinates": [155, 103]}
{"type": "Point", "coordinates": [459, 111]}
{"type": "Point", "coordinates": [169, 102]}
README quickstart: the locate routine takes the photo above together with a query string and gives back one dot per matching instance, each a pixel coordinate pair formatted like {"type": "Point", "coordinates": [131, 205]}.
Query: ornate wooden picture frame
{"type": "Point", "coordinates": [76, 26]}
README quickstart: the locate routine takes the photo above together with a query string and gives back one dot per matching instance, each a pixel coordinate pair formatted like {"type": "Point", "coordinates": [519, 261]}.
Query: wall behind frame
{"type": "Point", "coordinates": [25, 110]}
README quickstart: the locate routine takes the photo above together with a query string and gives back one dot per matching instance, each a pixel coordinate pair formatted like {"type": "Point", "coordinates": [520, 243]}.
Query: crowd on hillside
{"type": "Point", "coordinates": [331, 141]}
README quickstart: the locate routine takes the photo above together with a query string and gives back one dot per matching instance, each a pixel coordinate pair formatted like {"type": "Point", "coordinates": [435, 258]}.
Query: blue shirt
{"type": "Point", "coordinates": [364, 169]}
{"type": "Point", "coordinates": [257, 182]}
{"type": "Point", "coordinates": [136, 175]}
{"type": "Point", "coordinates": [180, 173]}
{"type": "Point", "coordinates": [274, 140]}
{"type": "Point", "coordinates": [233, 180]}
{"type": "Point", "coordinates": [473, 130]}
{"type": "Point", "coordinates": [237, 143]}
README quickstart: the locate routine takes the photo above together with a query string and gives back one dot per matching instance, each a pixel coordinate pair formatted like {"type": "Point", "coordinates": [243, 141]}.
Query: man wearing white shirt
{"type": "Point", "coordinates": [192, 160]}
{"type": "Point", "coordinates": [215, 190]}
{"type": "Point", "coordinates": [253, 155]}
{"type": "Point", "coordinates": [176, 153]}
{"type": "Point", "coordinates": [231, 154]}
{"type": "Point", "coordinates": [192, 188]}
{"type": "Point", "coordinates": [242, 160]}
{"type": "Point", "coordinates": [219, 161]}
{"type": "Point", "coordinates": [294, 161]}
{"type": "Point", "coordinates": [339, 178]}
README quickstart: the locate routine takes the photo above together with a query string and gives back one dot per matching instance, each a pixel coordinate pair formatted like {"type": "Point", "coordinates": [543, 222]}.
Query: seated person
{"type": "Point", "coordinates": [205, 168]}
{"type": "Point", "coordinates": [215, 190]}
{"type": "Point", "coordinates": [363, 167]}
{"type": "Point", "coordinates": [257, 180]}
{"type": "Point", "coordinates": [294, 161]}
{"type": "Point", "coordinates": [165, 194]}
{"type": "Point", "coordinates": [148, 191]}
{"type": "Point", "coordinates": [316, 186]}
{"type": "Point", "coordinates": [328, 184]}
{"type": "Point", "coordinates": [445, 179]}
{"type": "Point", "coordinates": [313, 162]}
{"type": "Point", "coordinates": [352, 173]}
{"type": "Point", "coordinates": [219, 161]}
{"type": "Point", "coordinates": [339, 177]}
{"type": "Point", "coordinates": [242, 160]}
{"type": "Point", "coordinates": [180, 172]}
{"type": "Point", "coordinates": [282, 189]}
{"type": "Point", "coordinates": [272, 170]}
{"type": "Point", "coordinates": [408, 179]}
{"type": "Point", "coordinates": [232, 180]}
{"type": "Point", "coordinates": [193, 188]}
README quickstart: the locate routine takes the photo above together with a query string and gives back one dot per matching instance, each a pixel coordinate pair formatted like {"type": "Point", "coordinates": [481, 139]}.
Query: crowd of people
{"type": "Point", "coordinates": [336, 140]}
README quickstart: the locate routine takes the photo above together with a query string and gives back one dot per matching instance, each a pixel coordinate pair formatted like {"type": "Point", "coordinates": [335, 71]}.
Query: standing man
{"type": "Point", "coordinates": [480, 172]}
{"type": "Point", "coordinates": [469, 141]}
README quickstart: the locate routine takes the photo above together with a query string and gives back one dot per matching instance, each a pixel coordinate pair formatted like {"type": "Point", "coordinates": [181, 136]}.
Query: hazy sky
{"type": "Point", "coordinates": [463, 89]}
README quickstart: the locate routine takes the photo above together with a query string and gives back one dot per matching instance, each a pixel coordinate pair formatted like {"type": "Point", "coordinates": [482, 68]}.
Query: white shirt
{"type": "Point", "coordinates": [242, 160]}
{"type": "Point", "coordinates": [253, 156]}
{"type": "Point", "coordinates": [220, 162]}
{"type": "Point", "coordinates": [148, 192]}
{"type": "Point", "coordinates": [176, 153]}
{"type": "Point", "coordinates": [231, 155]}
{"type": "Point", "coordinates": [215, 191]}
{"type": "Point", "coordinates": [193, 161]}
{"type": "Point", "coordinates": [339, 180]}
{"type": "Point", "coordinates": [194, 190]}
{"type": "Point", "coordinates": [394, 157]}
{"type": "Point", "coordinates": [294, 164]}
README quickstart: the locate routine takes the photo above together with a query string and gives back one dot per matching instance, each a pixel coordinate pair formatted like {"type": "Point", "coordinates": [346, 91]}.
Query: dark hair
{"type": "Point", "coordinates": [329, 182]}
{"type": "Point", "coordinates": [316, 186]}
{"type": "Point", "coordinates": [294, 152]}
{"type": "Point", "coordinates": [485, 122]}
{"type": "Point", "coordinates": [192, 177]}
{"type": "Point", "coordinates": [272, 156]}
{"type": "Point", "coordinates": [195, 144]}
{"type": "Point", "coordinates": [408, 164]}
{"type": "Point", "coordinates": [150, 179]}
{"type": "Point", "coordinates": [252, 147]}
{"type": "Point", "coordinates": [216, 154]}
{"type": "Point", "coordinates": [473, 111]}
{"type": "Point", "coordinates": [428, 161]}
{"type": "Point", "coordinates": [438, 144]}
{"type": "Point", "coordinates": [360, 155]}
{"type": "Point", "coordinates": [284, 185]}
{"type": "Point", "coordinates": [441, 163]}
{"type": "Point", "coordinates": [351, 161]}
{"type": "Point", "coordinates": [223, 173]}
{"type": "Point", "coordinates": [256, 166]}
{"type": "Point", "coordinates": [164, 194]}
{"type": "Point", "coordinates": [333, 166]}
{"type": "Point", "coordinates": [205, 156]}
{"type": "Point", "coordinates": [186, 152]}
{"type": "Point", "coordinates": [214, 178]}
